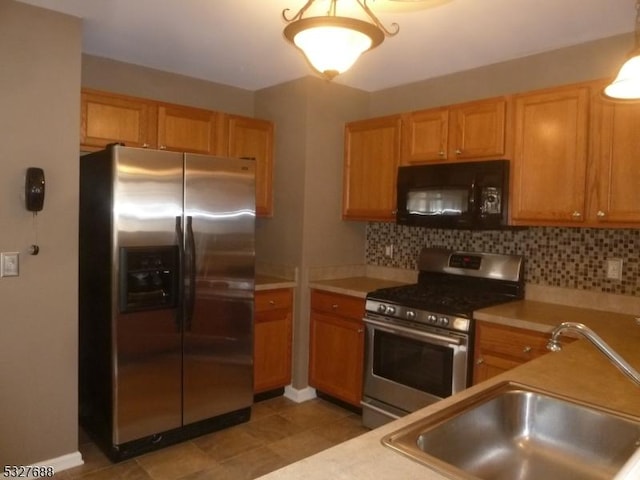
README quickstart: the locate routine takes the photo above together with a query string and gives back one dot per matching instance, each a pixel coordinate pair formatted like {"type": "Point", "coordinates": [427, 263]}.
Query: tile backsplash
{"type": "Point", "coordinates": [559, 257]}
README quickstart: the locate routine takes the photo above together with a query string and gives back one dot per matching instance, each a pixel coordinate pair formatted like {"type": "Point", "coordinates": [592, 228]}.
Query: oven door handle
{"type": "Point", "coordinates": [413, 333]}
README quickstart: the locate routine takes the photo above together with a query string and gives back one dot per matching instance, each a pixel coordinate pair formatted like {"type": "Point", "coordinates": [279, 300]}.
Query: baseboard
{"type": "Point", "coordinates": [61, 463]}
{"type": "Point", "coordinates": [299, 396]}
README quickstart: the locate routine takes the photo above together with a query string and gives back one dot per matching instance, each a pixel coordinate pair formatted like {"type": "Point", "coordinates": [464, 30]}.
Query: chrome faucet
{"type": "Point", "coordinates": [555, 346]}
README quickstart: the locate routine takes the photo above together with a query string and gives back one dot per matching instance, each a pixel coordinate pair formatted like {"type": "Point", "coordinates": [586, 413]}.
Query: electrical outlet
{"type": "Point", "coordinates": [614, 268]}
{"type": "Point", "coordinates": [388, 251]}
{"type": "Point", "coordinates": [9, 264]}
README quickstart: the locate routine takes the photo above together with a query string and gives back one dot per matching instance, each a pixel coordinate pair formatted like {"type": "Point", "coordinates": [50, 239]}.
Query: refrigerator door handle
{"type": "Point", "coordinates": [190, 275]}
{"type": "Point", "coordinates": [181, 283]}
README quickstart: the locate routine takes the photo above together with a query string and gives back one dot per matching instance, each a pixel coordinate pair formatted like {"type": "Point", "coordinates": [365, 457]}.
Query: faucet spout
{"type": "Point", "coordinates": [554, 345]}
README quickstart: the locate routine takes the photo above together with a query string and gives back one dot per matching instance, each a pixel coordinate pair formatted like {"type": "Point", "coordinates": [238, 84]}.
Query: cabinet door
{"type": "Point", "coordinates": [186, 129]}
{"type": "Point", "coordinates": [478, 130]}
{"type": "Point", "coordinates": [372, 154]}
{"type": "Point", "coordinates": [499, 348]}
{"type": "Point", "coordinates": [487, 365]}
{"type": "Point", "coordinates": [253, 138]}
{"type": "Point", "coordinates": [272, 339]}
{"type": "Point", "coordinates": [424, 136]}
{"type": "Point", "coordinates": [110, 118]}
{"type": "Point", "coordinates": [549, 168]}
{"type": "Point", "coordinates": [616, 163]}
{"type": "Point", "coordinates": [336, 357]}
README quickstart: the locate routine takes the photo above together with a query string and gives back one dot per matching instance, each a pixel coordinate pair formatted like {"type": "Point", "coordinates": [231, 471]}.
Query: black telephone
{"type": "Point", "coordinates": [34, 189]}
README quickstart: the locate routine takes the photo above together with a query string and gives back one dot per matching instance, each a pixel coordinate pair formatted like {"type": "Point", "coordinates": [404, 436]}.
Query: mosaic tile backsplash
{"type": "Point", "coordinates": [559, 257]}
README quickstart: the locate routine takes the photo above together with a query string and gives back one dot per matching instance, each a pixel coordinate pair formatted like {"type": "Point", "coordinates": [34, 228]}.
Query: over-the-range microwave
{"type": "Point", "coordinates": [464, 195]}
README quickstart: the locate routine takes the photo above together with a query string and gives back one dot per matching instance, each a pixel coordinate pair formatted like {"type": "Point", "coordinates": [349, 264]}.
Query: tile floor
{"type": "Point", "coordinates": [280, 432]}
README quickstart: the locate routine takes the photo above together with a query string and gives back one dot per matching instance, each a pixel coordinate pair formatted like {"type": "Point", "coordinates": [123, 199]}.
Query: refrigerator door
{"type": "Point", "coordinates": [147, 340]}
{"type": "Point", "coordinates": [219, 285]}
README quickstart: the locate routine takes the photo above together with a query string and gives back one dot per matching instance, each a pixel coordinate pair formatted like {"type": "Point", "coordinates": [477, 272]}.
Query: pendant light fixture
{"type": "Point", "coordinates": [331, 43]}
{"type": "Point", "coordinates": [626, 86]}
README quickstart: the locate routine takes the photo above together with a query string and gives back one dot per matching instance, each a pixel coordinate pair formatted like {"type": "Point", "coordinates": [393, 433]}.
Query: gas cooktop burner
{"type": "Point", "coordinates": [440, 298]}
{"type": "Point", "coordinates": [451, 284]}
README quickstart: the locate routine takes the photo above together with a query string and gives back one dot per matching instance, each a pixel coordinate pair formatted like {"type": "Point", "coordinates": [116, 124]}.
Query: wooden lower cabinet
{"type": "Point", "coordinates": [272, 339]}
{"type": "Point", "coordinates": [337, 345]}
{"type": "Point", "coordinates": [499, 348]}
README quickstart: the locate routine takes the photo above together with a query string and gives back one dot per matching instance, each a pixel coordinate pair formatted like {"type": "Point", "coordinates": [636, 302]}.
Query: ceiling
{"type": "Point", "coordinates": [240, 42]}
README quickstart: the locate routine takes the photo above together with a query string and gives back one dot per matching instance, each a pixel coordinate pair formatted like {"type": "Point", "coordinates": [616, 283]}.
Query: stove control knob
{"type": "Point", "coordinates": [391, 310]}
{"type": "Point", "coordinates": [411, 315]}
{"type": "Point", "coordinates": [382, 308]}
{"type": "Point", "coordinates": [444, 321]}
{"type": "Point", "coordinates": [431, 318]}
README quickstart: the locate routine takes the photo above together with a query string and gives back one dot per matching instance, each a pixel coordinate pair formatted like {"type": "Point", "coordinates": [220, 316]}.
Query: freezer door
{"type": "Point", "coordinates": [147, 345]}
{"type": "Point", "coordinates": [219, 285]}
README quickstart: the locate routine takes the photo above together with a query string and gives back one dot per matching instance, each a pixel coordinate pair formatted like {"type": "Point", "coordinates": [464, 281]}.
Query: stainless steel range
{"type": "Point", "coordinates": [419, 337]}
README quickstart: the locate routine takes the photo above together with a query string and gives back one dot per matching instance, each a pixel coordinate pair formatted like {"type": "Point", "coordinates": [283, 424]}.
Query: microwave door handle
{"type": "Point", "coordinates": [413, 333]}
{"type": "Point", "coordinates": [472, 197]}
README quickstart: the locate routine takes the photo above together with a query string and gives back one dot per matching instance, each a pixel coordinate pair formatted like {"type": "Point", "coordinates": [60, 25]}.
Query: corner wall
{"type": "Point", "coordinates": [40, 84]}
{"type": "Point", "coordinates": [307, 228]}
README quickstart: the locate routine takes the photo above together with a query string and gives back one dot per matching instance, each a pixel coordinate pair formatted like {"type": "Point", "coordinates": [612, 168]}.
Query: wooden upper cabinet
{"type": "Point", "coordinates": [614, 180]}
{"type": "Point", "coordinates": [425, 136]}
{"type": "Point", "coordinates": [187, 129]}
{"type": "Point", "coordinates": [478, 130]}
{"type": "Point", "coordinates": [469, 131]}
{"type": "Point", "coordinates": [109, 118]}
{"type": "Point", "coordinates": [253, 138]}
{"type": "Point", "coordinates": [372, 154]}
{"type": "Point", "coordinates": [550, 157]}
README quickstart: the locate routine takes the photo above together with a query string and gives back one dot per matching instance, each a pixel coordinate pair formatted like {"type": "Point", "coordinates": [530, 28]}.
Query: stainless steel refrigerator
{"type": "Point", "coordinates": [166, 284]}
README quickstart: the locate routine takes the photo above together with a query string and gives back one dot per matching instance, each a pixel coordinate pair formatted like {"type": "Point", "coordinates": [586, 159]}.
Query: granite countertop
{"type": "Point", "coordinates": [579, 371]}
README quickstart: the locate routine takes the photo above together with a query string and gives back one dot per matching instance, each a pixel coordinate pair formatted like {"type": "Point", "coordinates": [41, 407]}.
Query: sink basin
{"type": "Point", "coordinates": [513, 432]}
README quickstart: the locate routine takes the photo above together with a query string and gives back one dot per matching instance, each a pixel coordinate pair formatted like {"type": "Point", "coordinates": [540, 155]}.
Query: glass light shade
{"type": "Point", "coordinates": [332, 49]}
{"type": "Point", "coordinates": [333, 44]}
{"type": "Point", "coordinates": [626, 86]}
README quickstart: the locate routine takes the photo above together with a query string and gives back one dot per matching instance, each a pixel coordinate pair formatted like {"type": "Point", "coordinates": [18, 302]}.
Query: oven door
{"type": "Point", "coordinates": [408, 368]}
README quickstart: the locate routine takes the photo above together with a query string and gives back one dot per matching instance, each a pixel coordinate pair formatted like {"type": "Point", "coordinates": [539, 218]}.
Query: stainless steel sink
{"type": "Point", "coordinates": [516, 432]}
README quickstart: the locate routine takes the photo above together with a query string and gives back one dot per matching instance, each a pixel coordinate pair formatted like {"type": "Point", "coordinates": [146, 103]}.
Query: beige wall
{"type": "Point", "coordinates": [587, 61]}
{"type": "Point", "coordinates": [40, 82]}
{"type": "Point", "coordinates": [307, 229]}
{"type": "Point", "coordinates": [138, 81]}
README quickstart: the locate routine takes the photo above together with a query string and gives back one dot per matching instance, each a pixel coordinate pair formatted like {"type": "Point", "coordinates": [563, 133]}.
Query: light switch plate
{"type": "Point", "coordinates": [9, 264]}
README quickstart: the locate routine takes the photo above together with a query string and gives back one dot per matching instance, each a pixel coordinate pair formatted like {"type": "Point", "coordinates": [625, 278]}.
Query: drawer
{"type": "Point", "coordinates": [267, 300]}
{"type": "Point", "coordinates": [513, 342]}
{"type": "Point", "coordinates": [337, 304]}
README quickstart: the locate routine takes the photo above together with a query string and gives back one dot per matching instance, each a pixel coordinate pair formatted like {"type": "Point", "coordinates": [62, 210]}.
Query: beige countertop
{"type": "Point", "coordinates": [354, 286]}
{"type": "Point", "coordinates": [270, 282]}
{"type": "Point", "coordinates": [579, 371]}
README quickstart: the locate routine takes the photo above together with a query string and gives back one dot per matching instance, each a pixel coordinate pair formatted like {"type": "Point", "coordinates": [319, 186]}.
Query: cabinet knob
{"type": "Point", "coordinates": [480, 361]}
{"type": "Point", "coordinates": [272, 302]}
{"type": "Point", "coordinates": [458, 152]}
{"type": "Point", "coordinates": [576, 214]}
{"type": "Point", "coordinates": [162, 147]}
{"type": "Point", "coordinates": [145, 145]}
{"type": "Point", "coordinates": [441, 153]}
{"type": "Point", "coordinates": [526, 349]}
{"type": "Point", "coordinates": [334, 306]}
{"type": "Point", "coordinates": [601, 214]}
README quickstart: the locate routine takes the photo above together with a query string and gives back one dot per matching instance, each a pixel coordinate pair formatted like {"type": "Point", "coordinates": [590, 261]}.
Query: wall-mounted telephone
{"type": "Point", "coordinates": [34, 189]}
